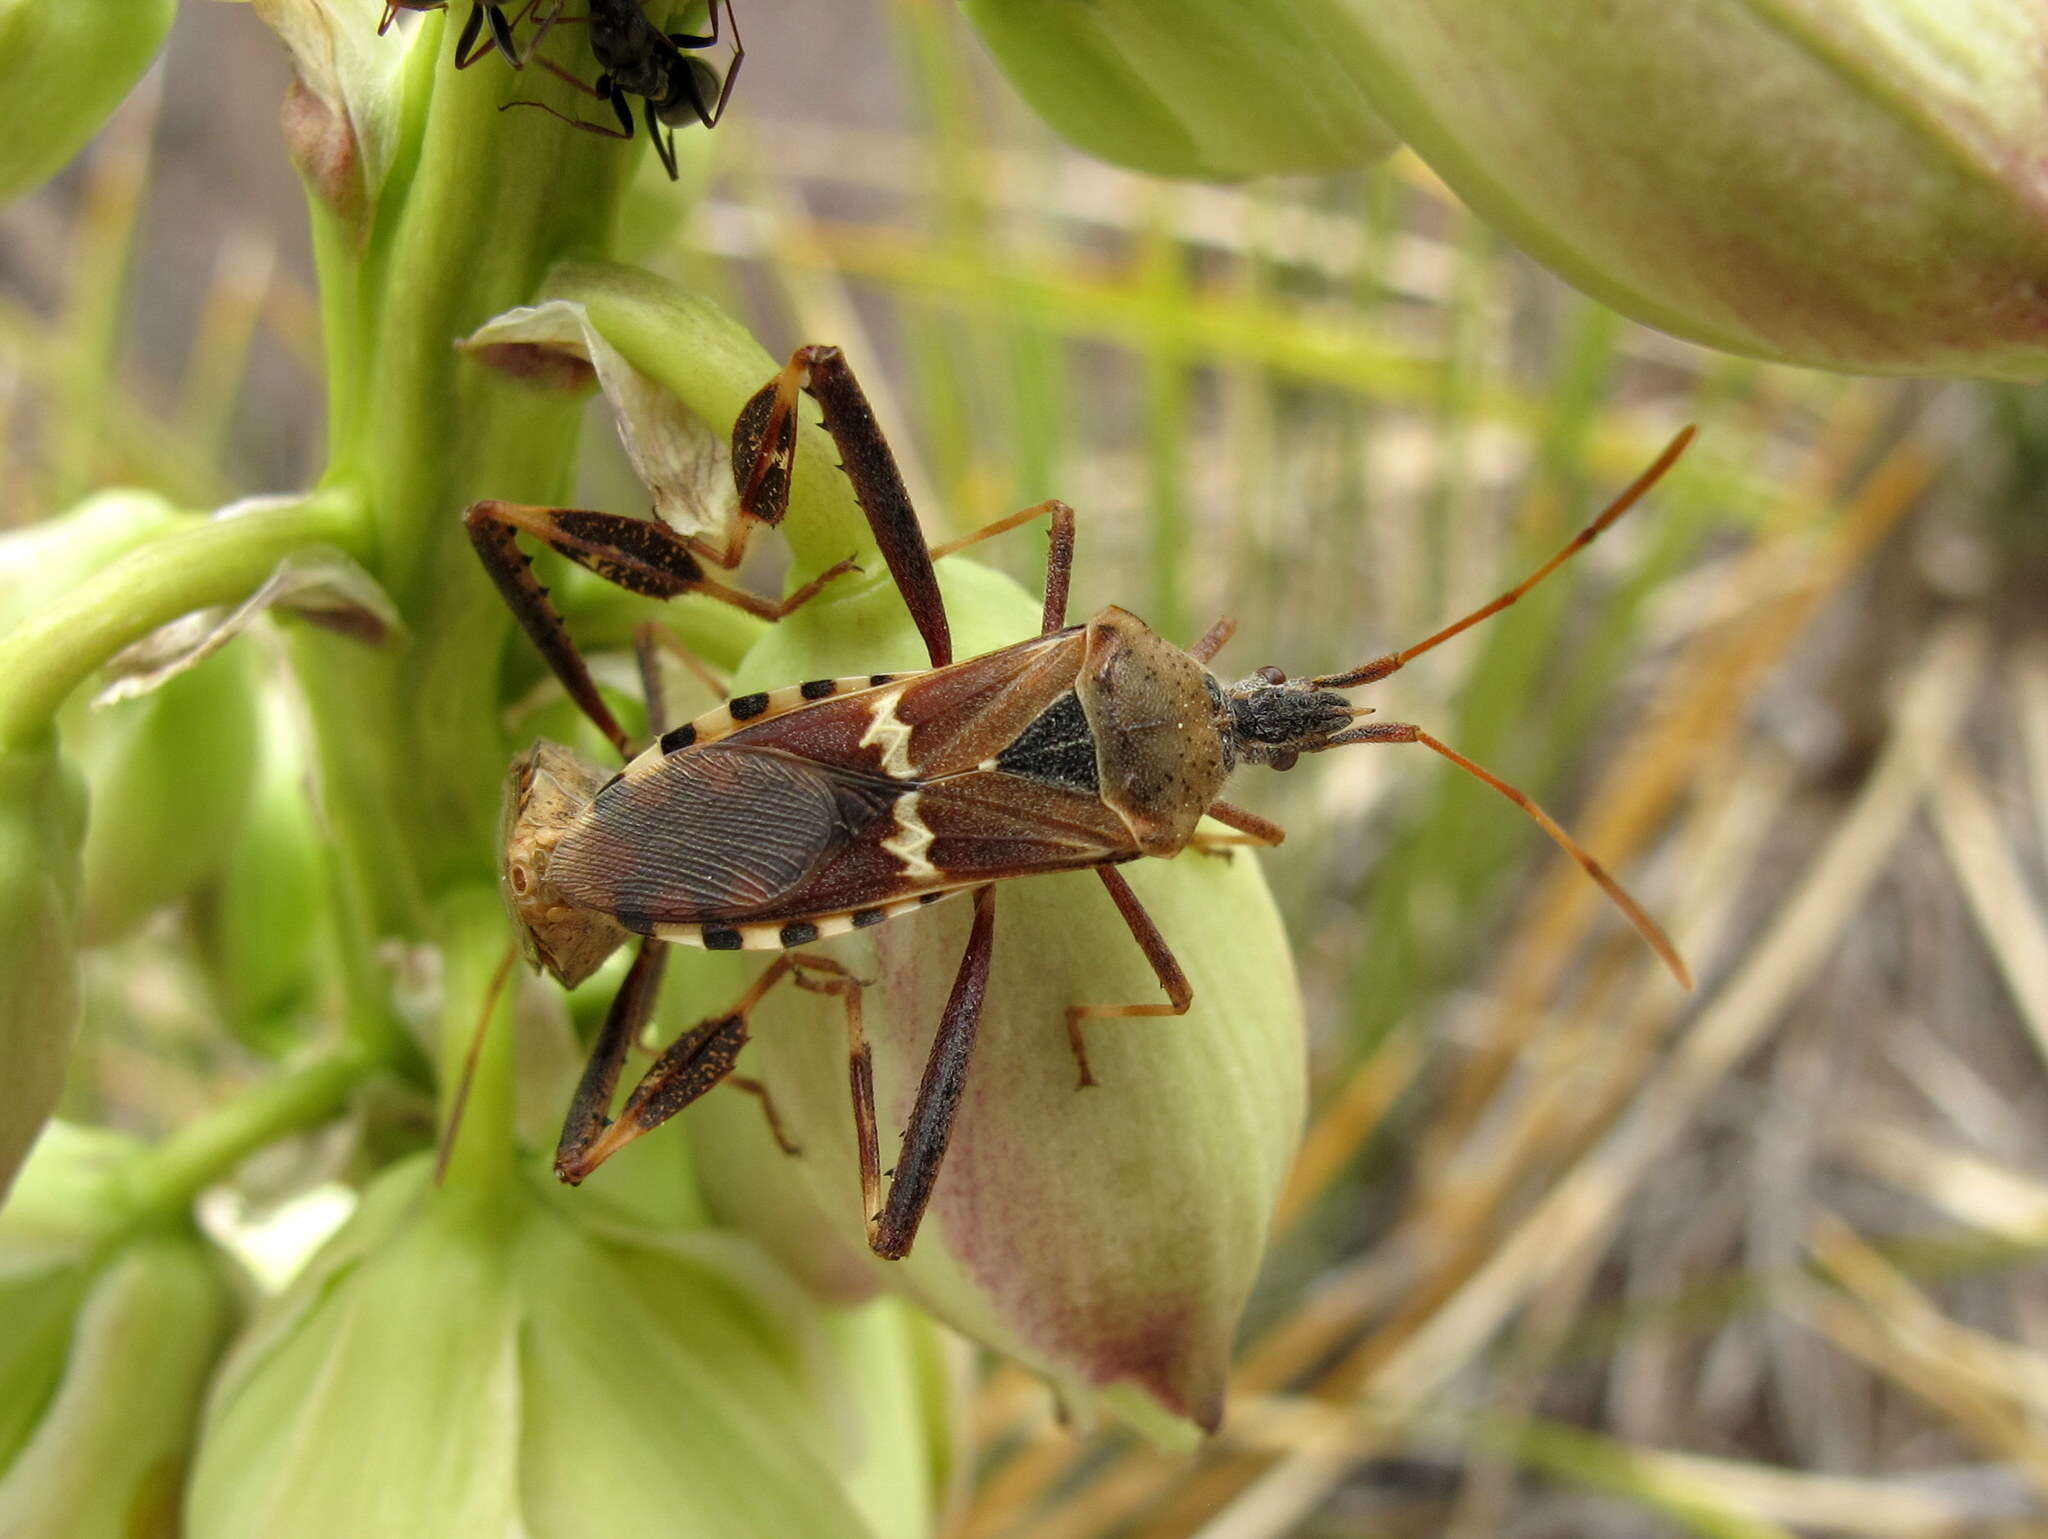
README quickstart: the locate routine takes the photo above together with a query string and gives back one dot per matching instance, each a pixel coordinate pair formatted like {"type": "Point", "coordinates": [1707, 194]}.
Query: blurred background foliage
{"type": "Point", "coordinates": [1566, 1252]}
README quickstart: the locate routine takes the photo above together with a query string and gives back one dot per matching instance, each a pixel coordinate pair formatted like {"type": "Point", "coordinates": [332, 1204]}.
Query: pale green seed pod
{"type": "Point", "coordinates": [171, 775]}
{"type": "Point", "coordinates": [107, 1458]}
{"type": "Point", "coordinates": [260, 921]}
{"type": "Point", "coordinates": [1107, 1237]}
{"type": "Point", "coordinates": [42, 831]}
{"type": "Point", "coordinates": [1196, 88]}
{"type": "Point", "coordinates": [1849, 184]}
{"type": "Point", "coordinates": [535, 1363]}
{"type": "Point", "coordinates": [67, 67]}
{"type": "Point", "coordinates": [109, 1345]}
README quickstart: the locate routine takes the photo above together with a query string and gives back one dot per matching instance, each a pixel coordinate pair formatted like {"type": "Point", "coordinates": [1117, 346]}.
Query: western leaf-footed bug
{"type": "Point", "coordinates": [800, 813]}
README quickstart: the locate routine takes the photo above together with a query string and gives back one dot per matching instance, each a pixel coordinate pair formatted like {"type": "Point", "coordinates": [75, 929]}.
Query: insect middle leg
{"type": "Point", "coordinates": [764, 457]}
{"type": "Point", "coordinates": [1180, 993]}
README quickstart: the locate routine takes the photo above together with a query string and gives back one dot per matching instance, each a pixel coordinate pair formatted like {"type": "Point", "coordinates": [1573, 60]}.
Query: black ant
{"type": "Point", "coordinates": [467, 49]}
{"type": "Point", "coordinates": [641, 60]}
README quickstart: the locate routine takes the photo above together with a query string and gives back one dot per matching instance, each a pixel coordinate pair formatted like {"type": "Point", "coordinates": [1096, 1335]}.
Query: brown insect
{"type": "Point", "coordinates": [800, 813]}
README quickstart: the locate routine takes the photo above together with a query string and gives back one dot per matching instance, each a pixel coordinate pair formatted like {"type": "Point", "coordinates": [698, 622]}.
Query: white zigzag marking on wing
{"type": "Point", "coordinates": [911, 840]}
{"type": "Point", "coordinates": [887, 732]}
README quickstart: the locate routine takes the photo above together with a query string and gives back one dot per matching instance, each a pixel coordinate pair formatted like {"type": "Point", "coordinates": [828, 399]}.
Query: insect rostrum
{"type": "Point", "coordinates": [828, 805]}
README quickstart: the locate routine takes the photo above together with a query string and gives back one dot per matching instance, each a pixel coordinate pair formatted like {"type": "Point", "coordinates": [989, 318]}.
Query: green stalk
{"type": "Point", "coordinates": [221, 561]}
{"type": "Point", "coordinates": [168, 1177]}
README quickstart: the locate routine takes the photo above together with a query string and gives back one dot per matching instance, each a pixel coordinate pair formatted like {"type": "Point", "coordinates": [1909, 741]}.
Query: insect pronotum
{"type": "Point", "coordinates": [829, 805]}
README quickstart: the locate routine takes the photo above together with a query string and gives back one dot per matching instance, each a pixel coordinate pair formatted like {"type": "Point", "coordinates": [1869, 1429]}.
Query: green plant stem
{"type": "Point", "coordinates": [168, 1177]}
{"type": "Point", "coordinates": [478, 1107]}
{"type": "Point", "coordinates": [221, 561]}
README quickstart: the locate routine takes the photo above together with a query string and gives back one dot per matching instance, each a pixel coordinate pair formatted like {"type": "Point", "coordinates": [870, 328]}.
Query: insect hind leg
{"type": "Point", "coordinates": [694, 1063]}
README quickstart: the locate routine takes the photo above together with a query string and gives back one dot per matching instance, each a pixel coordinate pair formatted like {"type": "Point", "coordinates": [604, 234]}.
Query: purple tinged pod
{"type": "Point", "coordinates": [1210, 89]}
{"type": "Point", "coordinates": [1106, 1237]}
{"type": "Point", "coordinates": [1847, 184]}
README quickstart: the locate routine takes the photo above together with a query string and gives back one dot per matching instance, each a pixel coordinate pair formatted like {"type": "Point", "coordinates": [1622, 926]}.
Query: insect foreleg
{"type": "Point", "coordinates": [637, 554]}
{"type": "Point", "coordinates": [930, 1127]}
{"type": "Point", "coordinates": [764, 453]}
{"type": "Point", "coordinates": [1179, 992]}
{"type": "Point", "coordinates": [1255, 829]}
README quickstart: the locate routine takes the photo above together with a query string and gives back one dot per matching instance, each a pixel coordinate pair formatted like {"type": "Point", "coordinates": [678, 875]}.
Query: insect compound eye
{"type": "Point", "coordinates": [1270, 674]}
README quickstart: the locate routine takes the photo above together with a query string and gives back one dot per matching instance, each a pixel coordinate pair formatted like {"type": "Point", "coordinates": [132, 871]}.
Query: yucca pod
{"type": "Point", "coordinates": [67, 67]}
{"type": "Point", "coordinates": [1849, 184]}
{"type": "Point", "coordinates": [1197, 88]}
{"type": "Point", "coordinates": [171, 774]}
{"type": "Point", "coordinates": [1106, 1237]}
{"type": "Point", "coordinates": [42, 832]}
{"type": "Point", "coordinates": [114, 1326]}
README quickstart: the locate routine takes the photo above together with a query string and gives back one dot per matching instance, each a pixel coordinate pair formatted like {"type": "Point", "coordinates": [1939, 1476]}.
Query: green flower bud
{"type": "Point", "coordinates": [1201, 88]}
{"type": "Point", "coordinates": [108, 1348]}
{"type": "Point", "coordinates": [107, 1457]}
{"type": "Point", "coordinates": [260, 921]}
{"type": "Point", "coordinates": [535, 1364]}
{"type": "Point", "coordinates": [42, 831]}
{"type": "Point", "coordinates": [1108, 1237]}
{"type": "Point", "coordinates": [67, 67]}
{"type": "Point", "coordinates": [1850, 184]}
{"type": "Point", "coordinates": [171, 775]}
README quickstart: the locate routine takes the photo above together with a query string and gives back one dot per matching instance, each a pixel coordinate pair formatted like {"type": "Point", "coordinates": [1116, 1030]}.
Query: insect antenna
{"type": "Point", "coordinates": [1648, 928]}
{"type": "Point", "coordinates": [460, 1103]}
{"type": "Point", "coordinates": [1379, 668]}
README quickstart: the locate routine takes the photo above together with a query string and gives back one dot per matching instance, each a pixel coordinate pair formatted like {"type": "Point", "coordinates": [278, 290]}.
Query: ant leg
{"type": "Point", "coordinates": [1179, 991]}
{"type": "Point", "coordinates": [604, 90]}
{"type": "Point", "coordinates": [554, 19]}
{"type": "Point", "coordinates": [664, 142]}
{"type": "Point", "coordinates": [637, 554]}
{"type": "Point", "coordinates": [764, 454]}
{"type": "Point", "coordinates": [393, 7]}
{"type": "Point", "coordinates": [1059, 560]}
{"type": "Point", "coordinates": [467, 51]}
{"type": "Point", "coordinates": [677, 42]}
{"type": "Point", "coordinates": [938, 1095]}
